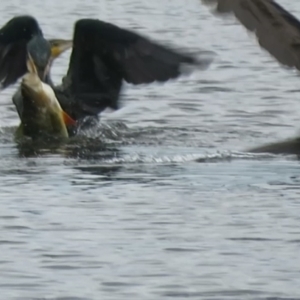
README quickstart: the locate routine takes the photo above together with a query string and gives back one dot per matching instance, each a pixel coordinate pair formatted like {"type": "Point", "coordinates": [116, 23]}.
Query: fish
{"type": "Point", "coordinates": [42, 115]}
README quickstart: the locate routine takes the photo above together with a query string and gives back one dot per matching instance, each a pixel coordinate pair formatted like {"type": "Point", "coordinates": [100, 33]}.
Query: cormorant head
{"type": "Point", "coordinates": [39, 53]}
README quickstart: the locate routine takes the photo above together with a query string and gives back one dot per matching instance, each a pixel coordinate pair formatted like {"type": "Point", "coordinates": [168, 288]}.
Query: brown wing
{"type": "Point", "coordinates": [277, 30]}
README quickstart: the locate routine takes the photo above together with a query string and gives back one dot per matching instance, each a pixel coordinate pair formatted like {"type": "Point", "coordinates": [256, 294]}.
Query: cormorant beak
{"type": "Point", "coordinates": [31, 65]}
{"type": "Point", "coordinates": [59, 46]}
{"type": "Point", "coordinates": [43, 72]}
{"type": "Point", "coordinates": [33, 68]}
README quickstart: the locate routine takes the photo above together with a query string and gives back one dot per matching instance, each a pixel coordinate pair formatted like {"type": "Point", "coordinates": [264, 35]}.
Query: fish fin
{"type": "Point", "coordinates": [67, 119]}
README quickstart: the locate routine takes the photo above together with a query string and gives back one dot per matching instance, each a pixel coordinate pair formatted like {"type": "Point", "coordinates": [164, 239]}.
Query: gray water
{"type": "Point", "coordinates": [163, 201]}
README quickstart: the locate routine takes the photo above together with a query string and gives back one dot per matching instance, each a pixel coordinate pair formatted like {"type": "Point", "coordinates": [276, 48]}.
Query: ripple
{"type": "Point", "coordinates": [9, 242]}
{"type": "Point", "coordinates": [181, 250]}
{"type": "Point", "coordinates": [253, 239]}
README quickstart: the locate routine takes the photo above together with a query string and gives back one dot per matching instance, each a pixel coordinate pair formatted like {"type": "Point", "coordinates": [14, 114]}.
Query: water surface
{"type": "Point", "coordinates": [162, 202]}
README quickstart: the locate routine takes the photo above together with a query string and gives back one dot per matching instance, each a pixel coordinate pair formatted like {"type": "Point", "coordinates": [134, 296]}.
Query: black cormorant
{"type": "Point", "coordinates": [103, 56]}
{"type": "Point", "coordinates": [278, 32]}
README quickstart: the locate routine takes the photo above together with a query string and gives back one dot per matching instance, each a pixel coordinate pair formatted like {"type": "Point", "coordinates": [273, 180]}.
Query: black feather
{"type": "Point", "coordinates": [104, 55]}
{"type": "Point", "coordinates": [14, 36]}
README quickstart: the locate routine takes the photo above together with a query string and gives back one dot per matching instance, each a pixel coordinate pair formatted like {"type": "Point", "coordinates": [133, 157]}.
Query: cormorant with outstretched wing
{"type": "Point", "coordinates": [277, 30]}
{"type": "Point", "coordinates": [103, 56]}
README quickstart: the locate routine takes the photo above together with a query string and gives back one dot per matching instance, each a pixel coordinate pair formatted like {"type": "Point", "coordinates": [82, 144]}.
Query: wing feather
{"type": "Point", "coordinates": [14, 36]}
{"type": "Point", "coordinates": [105, 55]}
{"type": "Point", "coordinates": [277, 30]}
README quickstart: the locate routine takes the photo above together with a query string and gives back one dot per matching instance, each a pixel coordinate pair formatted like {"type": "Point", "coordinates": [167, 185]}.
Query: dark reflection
{"type": "Point", "coordinates": [108, 171]}
{"type": "Point", "coordinates": [27, 148]}
{"type": "Point", "coordinates": [96, 142]}
{"type": "Point", "coordinates": [76, 148]}
{"type": "Point", "coordinates": [92, 150]}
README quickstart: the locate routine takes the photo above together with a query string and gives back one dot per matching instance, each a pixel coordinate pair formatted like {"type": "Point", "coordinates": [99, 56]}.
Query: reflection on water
{"type": "Point", "coordinates": [77, 148]}
{"type": "Point", "coordinates": [162, 200]}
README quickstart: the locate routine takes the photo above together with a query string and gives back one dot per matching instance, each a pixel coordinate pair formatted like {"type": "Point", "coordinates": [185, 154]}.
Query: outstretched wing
{"type": "Point", "coordinates": [14, 36]}
{"type": "Point", "coordinates": [104, 55]}
{"type": "Point", "coordinates": [277, 30]}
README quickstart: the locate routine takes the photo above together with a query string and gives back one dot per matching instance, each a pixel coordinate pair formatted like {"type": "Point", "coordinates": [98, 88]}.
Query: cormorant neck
{"type": "Point", "coordinates": [48, 80]}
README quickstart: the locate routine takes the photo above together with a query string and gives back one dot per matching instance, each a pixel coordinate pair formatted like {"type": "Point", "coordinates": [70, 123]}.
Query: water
{"type": "Point", "coordinates": [163, 202]}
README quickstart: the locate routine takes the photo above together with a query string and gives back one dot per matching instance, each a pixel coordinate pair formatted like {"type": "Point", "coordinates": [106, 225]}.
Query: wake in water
{"type": "Point", "coordinates": [116, 143]}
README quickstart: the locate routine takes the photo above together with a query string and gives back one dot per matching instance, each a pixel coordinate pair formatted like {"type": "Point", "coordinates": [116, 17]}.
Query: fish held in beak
{"type": "Point", "coordinates": [42, 114]}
